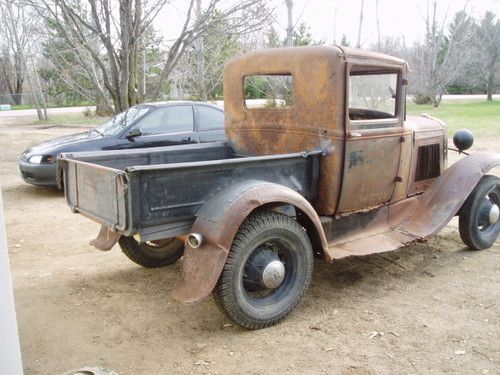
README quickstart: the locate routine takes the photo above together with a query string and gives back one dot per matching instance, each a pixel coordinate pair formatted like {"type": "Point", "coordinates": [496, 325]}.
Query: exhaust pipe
{"type": "Point", "coordinates": [195, 240]}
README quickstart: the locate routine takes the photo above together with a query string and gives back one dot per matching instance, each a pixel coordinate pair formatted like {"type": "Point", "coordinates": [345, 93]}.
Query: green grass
{"type": "Point", "coordinates": [71, 119]}
{"type": "Point", "coordinates": [481, 117]}
{"type": "Point", "coordinates": [17, 107]}
{"type": "Point", "coordinates": [29, 106]}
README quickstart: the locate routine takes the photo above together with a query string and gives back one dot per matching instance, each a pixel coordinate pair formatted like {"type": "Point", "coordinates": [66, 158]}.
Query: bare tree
{"type": "Point", "coordinates": [17, 38]}
{"type": "Point", "coordinates": [200, 58]}
{"type": "Point", "coordinates": [443, 55]}
{"type": "Point", "coordinates": [112, 37]}
{"type": "Point", "coordinates": [243, 17]}
{"type": "Point", "coordinates": [489, 45]}
{"type": "Point", "coordinates": [200, 70]}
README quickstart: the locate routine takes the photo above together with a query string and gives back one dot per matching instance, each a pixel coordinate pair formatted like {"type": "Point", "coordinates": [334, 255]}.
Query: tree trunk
{"type": "Point", "coordinates": [289, 29]}
{"type": "Point", "coordinates": [490, 85]}
{"type": "Point", "coordinates": [489, 88]}
{"type": "Point", "coordinates": [40, 92]}
{"type": "Point", "coordinates": [103, 108]}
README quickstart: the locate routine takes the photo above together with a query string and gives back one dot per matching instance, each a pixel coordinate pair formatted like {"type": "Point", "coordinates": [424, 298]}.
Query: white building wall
{"type": "Point", "coordinates": [10, 353]}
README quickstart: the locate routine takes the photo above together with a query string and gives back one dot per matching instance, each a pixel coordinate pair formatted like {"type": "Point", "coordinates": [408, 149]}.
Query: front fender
{"type": "Point", "coordinates": [441, 201]}
{"type": "Point", "coordinates": [218, 220]}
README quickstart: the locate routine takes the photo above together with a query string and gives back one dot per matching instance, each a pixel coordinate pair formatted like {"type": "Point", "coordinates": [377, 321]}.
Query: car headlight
{"type": "Point", "coordinates": [42, 159]}
{"type": "Point", "coordinates": [35, 159]}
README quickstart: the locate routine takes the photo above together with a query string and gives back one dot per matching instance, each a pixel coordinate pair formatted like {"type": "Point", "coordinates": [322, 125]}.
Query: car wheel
{"type": "Point", "coordinates": [267, 272]}
{"type": "Point", "coordinates": [152, 254]}
{"type": "Point", "coordinates": [479, 221]}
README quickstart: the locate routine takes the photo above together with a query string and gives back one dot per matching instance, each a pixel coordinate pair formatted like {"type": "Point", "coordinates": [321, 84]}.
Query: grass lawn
{"type": "Point", "coordinates": [481, 117]}
{"type": "Point", "coordinates": [69, 119]}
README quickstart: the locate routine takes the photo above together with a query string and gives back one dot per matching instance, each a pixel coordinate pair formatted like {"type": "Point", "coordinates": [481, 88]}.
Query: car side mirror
{"type": "Point", "coordinates": [134, 133]}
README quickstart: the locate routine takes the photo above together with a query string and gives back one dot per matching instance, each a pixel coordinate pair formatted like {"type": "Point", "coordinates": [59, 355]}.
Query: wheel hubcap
{"type": "Point", "coordinates": [264, 270]}
{"type": "Point", "coordinates": [273, 274]}
{"type": "Point", "coordinates": [494, 214]}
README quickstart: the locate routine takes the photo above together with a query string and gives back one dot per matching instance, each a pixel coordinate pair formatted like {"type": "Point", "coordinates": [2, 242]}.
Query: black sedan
{"type": "Point", "coordinates": [145, 125]}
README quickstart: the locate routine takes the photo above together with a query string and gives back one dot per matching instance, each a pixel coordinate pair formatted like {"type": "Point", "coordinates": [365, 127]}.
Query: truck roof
{"type": "Point", "coordinates": [377, 57]}
{"type": "Point", "coordinates": [323, 51]}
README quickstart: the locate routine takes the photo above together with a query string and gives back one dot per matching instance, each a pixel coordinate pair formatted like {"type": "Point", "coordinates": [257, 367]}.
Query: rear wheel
{"type": "Point", "coordinates": [152, 254]}
{"type": "Point", "coordinates": [479, 217]}
{"type": "Point", "coordinates": [267, 271]}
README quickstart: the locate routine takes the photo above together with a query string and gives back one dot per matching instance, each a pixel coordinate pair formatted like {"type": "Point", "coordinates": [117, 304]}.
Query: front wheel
{"type": "Point", "coordinates": [152, 254]}
{"type": "Point", "coordinates": [479, 217]}
{"type": "Point", "coordinates": [267, 272]}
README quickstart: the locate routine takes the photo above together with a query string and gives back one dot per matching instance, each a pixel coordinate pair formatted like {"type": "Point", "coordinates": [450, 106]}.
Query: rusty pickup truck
{"type": "Point", "coordinates": [329, 165]}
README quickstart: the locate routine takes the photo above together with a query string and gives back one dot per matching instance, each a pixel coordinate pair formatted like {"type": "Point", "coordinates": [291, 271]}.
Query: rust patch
{"type": "Point", "coordinates": [355, 158]}
{"type": "Point", "coordinates": [106, 239]}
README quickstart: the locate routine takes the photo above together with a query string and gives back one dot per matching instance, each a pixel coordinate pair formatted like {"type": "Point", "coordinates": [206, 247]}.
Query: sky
{"type": "Point", "coordinates": [397, 17]}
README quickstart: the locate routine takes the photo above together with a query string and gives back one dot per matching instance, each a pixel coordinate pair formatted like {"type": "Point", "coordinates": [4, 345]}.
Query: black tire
{"type": "Point", "coordinates": [476, 230]}
{"type": "Point", "coordinates": [265, 238]}
{"type": "Point", "coordinates": [152, 254]}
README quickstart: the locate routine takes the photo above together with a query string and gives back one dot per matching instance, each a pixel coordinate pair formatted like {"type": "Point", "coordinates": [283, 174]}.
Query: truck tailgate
{"type": "Point", "coordinates": [96, 191]}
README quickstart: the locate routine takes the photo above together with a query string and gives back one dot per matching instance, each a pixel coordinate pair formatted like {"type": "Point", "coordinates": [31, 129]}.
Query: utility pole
{"type": "Point", "coordinates": [378, 23]}
{"type": "Point", "coordinates": [335, 23]}
{"type": "Point", "coordinates": [358, 44]}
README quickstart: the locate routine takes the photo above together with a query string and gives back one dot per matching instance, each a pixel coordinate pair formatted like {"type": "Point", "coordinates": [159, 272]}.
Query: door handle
{"type": "Point", "coordinates": [186, 139]}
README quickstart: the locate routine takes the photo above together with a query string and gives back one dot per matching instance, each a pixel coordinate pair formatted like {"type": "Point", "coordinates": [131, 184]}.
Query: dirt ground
{"type": "Point", "coordinates": [427, 308]}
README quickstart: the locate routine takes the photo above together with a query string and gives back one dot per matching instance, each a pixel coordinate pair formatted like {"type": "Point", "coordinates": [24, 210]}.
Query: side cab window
{"type": "Point", "coordinates": [373, 98]}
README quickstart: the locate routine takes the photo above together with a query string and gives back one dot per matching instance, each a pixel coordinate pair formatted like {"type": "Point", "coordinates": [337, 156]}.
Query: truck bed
{"type": "Point", "coordinates": [156, 192]}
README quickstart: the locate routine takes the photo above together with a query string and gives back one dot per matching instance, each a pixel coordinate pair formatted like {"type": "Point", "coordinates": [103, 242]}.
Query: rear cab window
{"type": "Point", "coordinates": [268, 91]}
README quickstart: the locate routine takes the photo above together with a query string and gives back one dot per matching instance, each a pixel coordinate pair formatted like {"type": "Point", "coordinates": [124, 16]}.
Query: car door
{"type": "Point", "coordinates": [165, 126]}
{"type": "Point", "coordinates": [374, 132]}
{"type": "Point", "coordinates": [210, 123]}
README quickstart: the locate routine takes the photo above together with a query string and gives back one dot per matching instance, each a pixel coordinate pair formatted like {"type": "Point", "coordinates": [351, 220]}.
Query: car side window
{"type": "Point", "coordinates": [175, 119]}
{"type": "Point", "coordinates": [210, 118]}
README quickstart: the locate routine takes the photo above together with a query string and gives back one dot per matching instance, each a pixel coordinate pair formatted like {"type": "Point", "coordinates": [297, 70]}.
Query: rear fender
{"type": "Point", "coordinates": [432, 210]}
{"type": "Point", "coordinates": [219, 219]}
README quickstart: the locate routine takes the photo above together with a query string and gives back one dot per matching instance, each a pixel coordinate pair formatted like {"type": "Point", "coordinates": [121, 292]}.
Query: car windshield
{"type": "Point", "coordinates": [122, 120]}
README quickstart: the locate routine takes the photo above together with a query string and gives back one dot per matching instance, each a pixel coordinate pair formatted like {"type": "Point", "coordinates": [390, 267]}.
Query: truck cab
{"type": "Point", "coordinates": [348, 101]}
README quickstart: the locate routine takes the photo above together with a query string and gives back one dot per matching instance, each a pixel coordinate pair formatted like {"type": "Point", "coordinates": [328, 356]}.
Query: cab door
{"type": "Point", "coordinates": [374, 133]}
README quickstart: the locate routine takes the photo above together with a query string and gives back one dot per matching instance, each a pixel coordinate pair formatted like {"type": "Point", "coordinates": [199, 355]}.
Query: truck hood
{"type": "Point", "coordinates": [61, 144]}
{"type": "Point", "coordinates": [425, 123]}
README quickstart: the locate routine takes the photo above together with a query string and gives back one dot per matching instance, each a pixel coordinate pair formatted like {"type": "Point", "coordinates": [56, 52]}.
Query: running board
{"type": "Point", "coordinates": [376, 243]}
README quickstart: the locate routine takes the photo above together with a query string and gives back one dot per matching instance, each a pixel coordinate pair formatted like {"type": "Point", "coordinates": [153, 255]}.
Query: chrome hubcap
{"type": "Point", "coordinates": [273, 274]}
{"type": "Point", "coordinates": [494, 214]}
